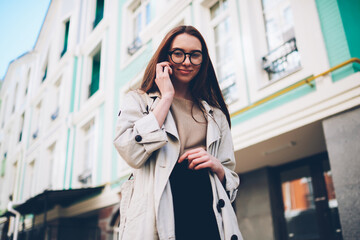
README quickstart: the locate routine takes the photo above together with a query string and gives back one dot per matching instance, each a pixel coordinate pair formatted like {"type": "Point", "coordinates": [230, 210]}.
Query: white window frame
{"type": "Point", "coordinates": [29, 179]}
{"type": "Point", "coordinates": [49, 162]}
{"type": "Point", "coordinates": [4, 111]}
{"type": "Point", "coordinates": [14, 183]}
{"type": "Point", "coordinates": [88, 141]}
{"type": "Point", "coordinates": [140, 7]}
{"type": "Point", "coordinates": [131, 10]}
{"type": "Point", "coordinates": [62, 36]}
{"type": "Point", "coordinates": [275, 12]}
{"type": "Point", "coordinates": [21, 127]}
{"type": "Point", "coordinates": [225, 13]}
{"type": "Point", "coordinates": [36, 120]}
{"type": "Point", "coordinates": [86, 78]}
{"type": "Point", "coordinates": [55, 108]}
{"type": "Point", "coordinates": [80, 142]}
{"type": "Point", "coordinates": [15, 98]}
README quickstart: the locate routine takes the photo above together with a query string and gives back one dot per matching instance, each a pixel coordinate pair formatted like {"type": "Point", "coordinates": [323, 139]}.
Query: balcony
{"type": "Point", "coordinates": [134, 46]}
{"type": "Point", "coordinates": [282, 61]}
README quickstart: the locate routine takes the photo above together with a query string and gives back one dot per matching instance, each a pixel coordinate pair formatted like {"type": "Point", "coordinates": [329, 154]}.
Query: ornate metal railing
{"type": "Point", "coordinates": [283, 60]}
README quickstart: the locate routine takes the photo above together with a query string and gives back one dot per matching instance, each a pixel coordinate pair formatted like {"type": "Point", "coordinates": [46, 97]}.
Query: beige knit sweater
{"type": "Point", "coordinates": [190, 123]}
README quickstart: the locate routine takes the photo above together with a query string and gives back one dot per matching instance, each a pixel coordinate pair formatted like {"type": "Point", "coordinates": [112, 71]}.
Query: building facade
{"type": "Point", "coordinates": [289, 72]}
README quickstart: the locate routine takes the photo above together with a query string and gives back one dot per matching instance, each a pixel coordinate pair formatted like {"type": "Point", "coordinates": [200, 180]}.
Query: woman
{"type": "Point", "coordinates": [175, 132]}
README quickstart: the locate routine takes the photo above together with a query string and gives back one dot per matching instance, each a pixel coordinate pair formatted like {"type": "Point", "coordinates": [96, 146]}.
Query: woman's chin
{"type": "Point", "coordinates": [183, 79]}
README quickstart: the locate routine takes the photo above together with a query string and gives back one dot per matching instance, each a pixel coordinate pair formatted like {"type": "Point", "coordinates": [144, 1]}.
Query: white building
{"type": "Point", "coordinates": [291, 127]}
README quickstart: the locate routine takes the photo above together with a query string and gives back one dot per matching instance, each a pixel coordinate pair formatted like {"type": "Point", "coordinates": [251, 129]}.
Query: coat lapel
{"type": "Point", "coordinates": [213, 130]}
{"type": "Point", "coordinates": [169, 124]}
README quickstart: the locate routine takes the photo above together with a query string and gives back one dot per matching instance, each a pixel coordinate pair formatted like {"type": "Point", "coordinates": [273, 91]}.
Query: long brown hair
{"type": "Point", "coordinates": [203, 87]}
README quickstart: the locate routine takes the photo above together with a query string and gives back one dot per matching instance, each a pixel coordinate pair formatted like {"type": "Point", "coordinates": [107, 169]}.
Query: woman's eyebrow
{"type": "Point", "coordinates": [173, 49]}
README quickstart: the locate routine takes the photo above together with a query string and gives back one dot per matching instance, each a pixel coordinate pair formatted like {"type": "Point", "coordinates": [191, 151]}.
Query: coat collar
{"type": "Point", "coordinates": [169, 124]}
{"type": "Point", "coordinates": [213, 130]}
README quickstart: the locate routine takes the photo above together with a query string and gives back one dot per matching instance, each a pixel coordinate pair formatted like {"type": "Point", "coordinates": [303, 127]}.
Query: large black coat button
{"type": "Point", "coordinates": [234, 237]}
{"type": "Point", "coordinates": [138, 138]}
{"type": "Point", "coordinates": [220, 205]}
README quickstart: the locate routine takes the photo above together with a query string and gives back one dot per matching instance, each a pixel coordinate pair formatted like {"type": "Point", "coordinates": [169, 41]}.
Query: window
{"type": "Point", "coordinates": [29, 179]}
{"type": "Point", "coordinates": [88, 153]}
{"type": "Point", "coordinates": [4, 113]}
{"type": "Point", "coordinates": [35, 121]}
{"type": "Point", "coordinates": [15, 168]}
{"type": "Point", "coordinates": [283, 57]}
{"type": "Point", "coordinates": [21, 126]}
{"type": "Point", "coordinates": [66, 38]}
{"type": "Point", "coordinates": [27, 83]}
{"type": "Point", "coordinates": [310, 208]}
{"type": "Point", "coordinates": [56, 102]}
{"type": "Point", "coordinates": [3, 165]}
{"type": "Point", "coordinates": [14, 100]}
{"type": "Point", "coordinates": [45, 73]}
{"type": "Point", "coordinates": [99, 12]}
{"type": "Point", "coordinates": [224, 49]}
{"type": "Point", "coordinates": [141, 17]}
{"type": "Point", "coordinates": [49, 166]}
{"type": "Point", "coordinates": [95, 74]}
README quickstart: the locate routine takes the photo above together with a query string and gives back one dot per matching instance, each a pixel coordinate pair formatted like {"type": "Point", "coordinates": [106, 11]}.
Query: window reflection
{"type": "Point", "coordinates": [299, 205]}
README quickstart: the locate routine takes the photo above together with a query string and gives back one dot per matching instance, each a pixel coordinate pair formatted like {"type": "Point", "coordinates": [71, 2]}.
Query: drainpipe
{"type": "Point", "coordinates": [17, 218]}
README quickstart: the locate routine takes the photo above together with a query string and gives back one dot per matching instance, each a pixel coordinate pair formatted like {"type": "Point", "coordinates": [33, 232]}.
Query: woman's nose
{"type": "Point", "coordinates": [187, 60]}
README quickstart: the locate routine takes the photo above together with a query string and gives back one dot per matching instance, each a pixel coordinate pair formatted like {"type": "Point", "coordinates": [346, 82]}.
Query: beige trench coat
{"type": "Point", "coordinates": [153, 152]}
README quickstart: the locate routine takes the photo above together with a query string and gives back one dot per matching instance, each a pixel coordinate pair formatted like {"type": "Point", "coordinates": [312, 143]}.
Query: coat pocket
{"type": "Point", "coordinates": [137, 207]}
{"type": "Point", "coordinates": [136, 218]}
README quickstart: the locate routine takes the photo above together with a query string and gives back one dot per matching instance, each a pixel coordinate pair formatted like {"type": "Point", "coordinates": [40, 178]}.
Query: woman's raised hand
{"type": "Point", "coordinates": [199, 158]}
{"type": "Point", "coordinates": [166, 88]}
{"type": "Point", "coordinates": [163, 81]}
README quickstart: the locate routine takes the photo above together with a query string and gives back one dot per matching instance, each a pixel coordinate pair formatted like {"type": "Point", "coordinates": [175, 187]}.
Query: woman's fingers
{"type": "Point", "coordinates": [162, 80]}
{"type": "Point", "coordinates": [199, 158]}
{"type": "Point", "coordinates": [197, 161]}
{"type": "Point", "coordinates": [183, 157]}
{"type": "Point", "coordinates": [160, 67]}
{"type": "Point", "coordinates": [203, 166]}
{"type": "Point", "coordinates": [187, 153]}
{"type": "Point", "coordinates": [195, 157]}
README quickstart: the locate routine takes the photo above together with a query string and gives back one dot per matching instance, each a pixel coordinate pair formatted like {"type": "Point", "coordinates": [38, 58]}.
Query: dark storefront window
{"type": "Point", "coordinates": [310, 208]}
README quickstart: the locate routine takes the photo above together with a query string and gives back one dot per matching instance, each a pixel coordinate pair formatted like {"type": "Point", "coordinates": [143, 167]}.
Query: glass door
{"type": "Point", "coordinates": [310, 208]}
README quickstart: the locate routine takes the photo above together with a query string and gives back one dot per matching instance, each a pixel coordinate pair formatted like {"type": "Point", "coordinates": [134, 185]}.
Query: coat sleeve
{"type": "Point", "coordinates": [138, 133]}
{"type": "Point", "coordinates": [227, 158]}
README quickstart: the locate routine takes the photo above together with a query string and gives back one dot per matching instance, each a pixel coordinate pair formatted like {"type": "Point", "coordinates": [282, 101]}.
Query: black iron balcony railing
{"type": "Point", "coordinates": [282, 61]}
{"type": "Point", "coordinates": [134, 46]}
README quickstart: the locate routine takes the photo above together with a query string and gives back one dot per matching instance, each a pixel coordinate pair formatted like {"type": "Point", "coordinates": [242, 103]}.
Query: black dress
{"type": "Point", "coordinates": [193, 204]}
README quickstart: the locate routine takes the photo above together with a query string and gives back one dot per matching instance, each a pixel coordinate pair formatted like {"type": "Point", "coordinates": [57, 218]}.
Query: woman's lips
{"type": "Point", "coordinates": [184, 71]}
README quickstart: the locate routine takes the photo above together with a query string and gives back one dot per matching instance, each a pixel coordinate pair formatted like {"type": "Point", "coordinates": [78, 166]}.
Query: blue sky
{"type": "Point", "coordinates": [20, 23]}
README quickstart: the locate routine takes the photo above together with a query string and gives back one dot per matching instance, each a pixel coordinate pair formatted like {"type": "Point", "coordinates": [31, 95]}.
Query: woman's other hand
{"type": "Point", "coordinates": [199, 158]}
{"type": "Point", "coordinates": [163, 81]}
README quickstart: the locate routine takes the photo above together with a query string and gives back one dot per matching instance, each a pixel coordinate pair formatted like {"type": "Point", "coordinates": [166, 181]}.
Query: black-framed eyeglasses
{"type": "Point", "coordinates": [178, 56]}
